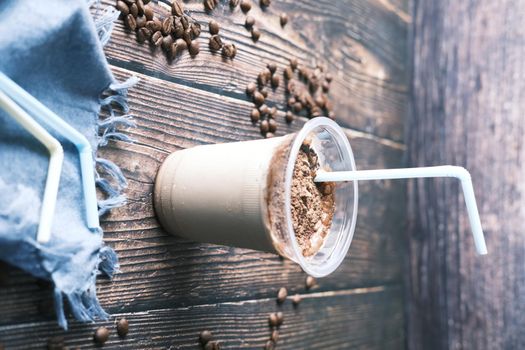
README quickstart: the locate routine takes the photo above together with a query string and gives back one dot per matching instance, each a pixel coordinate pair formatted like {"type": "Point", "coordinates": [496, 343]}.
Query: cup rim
{"type": "Point", "coordinates": [342, 245]}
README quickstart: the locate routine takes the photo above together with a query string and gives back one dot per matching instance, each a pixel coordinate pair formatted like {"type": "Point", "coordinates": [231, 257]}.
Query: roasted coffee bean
{"type": "Point", "coordinates": [205, 337]}
{"type": "Point", "coordinates": [289, 117]}
{"type": "Point", "coordinates": [255, 115]}
{"type": "Point", "coordinates": [296, 299]}
{"type": "Point", "coordinates": [320, 101]}
{"type": "Point", "coordinates": [234, 48]}
{"type": "Point", "coordinates": [246, 6]}
{"type": "Point", "coordinates": [262, 79]}
{"type": "Point", "coordinates": [284, 19]}
{"type": "Point", "coordinates": [143, 34]}
{"type": "Point", "coordinates": [148, 12]}
{"type": "Point", "coordinates": [258, 98]}
{"type": "Point", "coordinates": [250, 88]}
{"type": "Point", "coordinates": [215, 43]}
{"type": "Point", "coordinates": [265, 127]}
{"type": "Point", "coordinates": [194, 48]}
{"type": "Point", "coordinates": [272, 319]}
{"type": "Point", "coordinates": [264, 92]}
{"type": "Point", "coordinates": [154, 26]}
{"type": "Point", "coordinates": [291, 101]}
{"type": "Point", "coordinates": [294, 63]}
{"type": "Point", "coordinates": [123, 8]}
{"type": "Point", "coordinates": [256, 34]}
{"type": "Point", "coordinates": [273, 112]}
{"type": "Point", "coordinates": [140, 7]}
{"type": "Point", "coordinates": [156, 38]}
{"type": "Point", "coordinates": [212, 345]}
{"type": "Point", "coordinates": [297, 107]}
{"type": "Point", "coordinates": [195, 30]}
{"type": "Point", "coordinates": [315, 112]}
{"type": "Point", "coordinates": [122, 327]}
{"type": "Point", "coordinates": [275, 81]}
{"type": "Point", "coordinates": [234, 3]}
{"type": "Point", "coordinates": [178, 47]}
{"type": "Point", "coordinates": [272, 67]}
{"type": "Point", "coordinates": [265, 3]}
{"type": "Point", "coordinates": [167, 25]}
{"type": "Point", "coordinates": [310, 282]}
{"type": "Point", "coordinates": [264, 109]}
{"type": "Point", "coordinates": [228, 50]}
{"type": "Point", "coordinates": [270, 345]}
{"type": "Point", "coordinates": [187, 36]}
{"type": "Point", "coordinates": [129, 2]}
{"type": "Point", "coordinates": [177, 8]}
{"type": "Point", "coordinates": [281, 295]}
{"type": "Point", "coordinates": [214, 27]}
{"type": "Point", "coordinates": [178, 29]}
{"type": "Point", "coordinates": [167, 42]}
{"type": "Point", "coordinates": [141, 21]}
{"type": "Point", "coordinates": [326, 86]}
{"type": "Point", "coordinates": [101, 335]}
{"type": "Point", "coordinates": [288, 73]}
{"type": "Point", "coordinates": [275, 336]}
{"type": "Point", "coordinates": [280, 318]}
{"type": "Point", "coordinates": [131, 23]}
{"type": "Point", "coordinates": [185, 22]}
{"type": "Point", "coordinates": [250, 21]}
{"type": "Point", "coordinates": [134, 10]}
{"type": "Point", "coordinates": [328, 77]}
{"type": "Point", "coordinates": [55, 343]}
{"type": "Point", "coordinates": [272, 124]}
{"type": "Point", "coordinates": [209, 5]}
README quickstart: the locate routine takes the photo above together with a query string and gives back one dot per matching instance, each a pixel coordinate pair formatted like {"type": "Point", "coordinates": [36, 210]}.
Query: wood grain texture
{"type": "Point", "coordinates": [354, 319]}
{"type": "Point", "coordinates": [468, 103]}
{"type": "Point", "coordinates": [363, 44]}
{"type": "Point", "coordinates": [157, 268]}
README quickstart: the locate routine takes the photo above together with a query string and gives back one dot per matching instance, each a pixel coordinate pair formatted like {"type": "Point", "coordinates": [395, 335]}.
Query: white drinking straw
{"type": "Point", "coordinates": [406, 173]}
{"type": "Point", "coordinates": [56, 158]}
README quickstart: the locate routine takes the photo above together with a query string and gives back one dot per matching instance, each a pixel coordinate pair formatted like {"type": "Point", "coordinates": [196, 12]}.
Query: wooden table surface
{"type": "Point", "coordinates": [171, 289]}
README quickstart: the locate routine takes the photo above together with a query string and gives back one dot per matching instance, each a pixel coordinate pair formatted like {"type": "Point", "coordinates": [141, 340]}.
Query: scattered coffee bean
{"type": "Point", "coordinates": [272, 125]}
{"type": "Point", "coordinates": [148, 13]}
{"type": "Point", "coordinates": [328, 77]}
{"type": "Point", "coordinates": [215, 43]}
{"type": "Point", "coordinates": [264, 92]}
{"type": "Point", "coordinates": [310, 282]}
{"type": "Point", "coordinates": [290, 101]}
{"type": "Point", "coordinates": [275, 335]}
{"type": "Point", "coordinates": [122, 327]}
{"type": "Point", "coordinates": [265, 127]}
{"type": "Point", "coordinates": [205, 337]}
{"type": "Point", "coordinates": [209, 5]}
{"type": "Point", "coordinates": [229, 50]}
{"type": "Point", "coordinates": [123, 8]}
{"type": "Point", "coordinates": [167, 42]}
{"type": "Point", "coordinates": [195, 30]}
{"type": "Point", "coordinates": [294, 63]}
{"type": "Point", "coordinates": [288, 73]}
{"type": "Point", "coordinates": [177, 8]}
{"type": "Point", "coordinates": [320, 101]}
{"type": "Point", "coordinates": [214, 27]}
{"type": "Point", "coordinates": [250, 88]}
{"type": "Point", "coordinates": [272, 67]}
{"type": "Point", "coordinates": [154, 26]}
{"type": "Point", "coordinates": [258, 98]}
{"type": "Point", "coordinates": [55, 343]}
{"type": "Point", "coordinates": [270, 345]}
{"type": "Point", "coordinates": [156, 38]}
{"type": "Point", "coordinates": [134, 10]}
{"type": "Point", "coordinates": [289, 117]}
{"type": "Point", "coordinates": [246, 6]}
{"type": "Point", "coordinates": [264, 109]}
{"type": "Point", "coordinates": [273, 112]}
{"type": "Point", "coordinates": [297, 107]}
{"type": "Point", "coordinates": [131, 23]}
{"type": "Point", "coordinates": [284, 19]}
{"type": "Point", "coordinates": [256, 34]}
{"type": "Point", "coordinates": [250, 21]}
{"type": "Point", "coordinates": [140, 7]}
{"type": "Point", "coordinates": [184, 22]}
{"type": "Point", "coordinates": [262, 78]}
{"type": "Point", "coordinates": [101, 335]}
{"type": "Point", "coordinates": [280, 318]}
{"type": "Point", "coordinates": [212, 345]}
{"type": "Point", "coordinates": [255, 115]}
{"type": "Point", "coordinates": [141, 21]}
{"type": "Point", "coordinates": [296, 299]}
{"type": "Point", "coordinates": [180, 46]}
{"type": "Point", "coordinates": [234, 3]}
{"type": "Point", "coordinates": [272, 319]}
{"type": "Point", "coordinates": [281, 295]}
{"type": "Point", "coordinates": [194, 48]}
{"type": "Point", "coordinates": [269, 135]}
{"type": "Point", "coordinates": [167, 25]}
{"type": "Point", "coordinates": [265, 3]}
{"type": "Point", "coordinates": [275, 81]}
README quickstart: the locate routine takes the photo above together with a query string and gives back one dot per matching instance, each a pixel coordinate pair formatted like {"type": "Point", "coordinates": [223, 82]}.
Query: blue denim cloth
{"type": "Point", "coordinates": [52, 50]}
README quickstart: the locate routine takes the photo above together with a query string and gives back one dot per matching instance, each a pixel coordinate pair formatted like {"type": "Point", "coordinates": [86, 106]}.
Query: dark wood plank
{"type": "Point", "coordinates": [468, 108]}
{"type": "Point", "coordinates": [356, 319]}
{"type": "Point", "coordinates": [363, 43]}
{"type": "Point", "coordinates": [157, 269]}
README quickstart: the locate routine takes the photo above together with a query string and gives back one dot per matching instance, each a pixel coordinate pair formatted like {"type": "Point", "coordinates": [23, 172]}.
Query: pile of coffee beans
{"type": "Point", "coordinates": [206, 341]}
{"type": "Point", "coordinates": [175, 33]}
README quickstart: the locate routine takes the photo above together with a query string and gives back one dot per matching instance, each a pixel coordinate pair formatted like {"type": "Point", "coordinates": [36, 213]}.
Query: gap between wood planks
{"type": "Point", "coordinates": [240, 98]}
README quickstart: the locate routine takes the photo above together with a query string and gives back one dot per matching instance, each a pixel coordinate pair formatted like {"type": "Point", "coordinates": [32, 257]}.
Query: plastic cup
{"type": "Point", "coordinates": [239, 194]}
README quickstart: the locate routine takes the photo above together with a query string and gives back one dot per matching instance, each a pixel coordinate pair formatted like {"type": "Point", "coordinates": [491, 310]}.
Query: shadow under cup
{"type": "Point", "coordinates": [239, 194]}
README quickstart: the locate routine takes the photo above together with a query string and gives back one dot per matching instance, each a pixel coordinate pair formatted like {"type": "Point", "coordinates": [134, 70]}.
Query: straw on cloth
{"type": "Point", "coordinates": [52, 50]}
